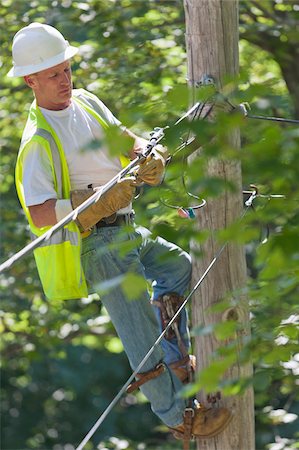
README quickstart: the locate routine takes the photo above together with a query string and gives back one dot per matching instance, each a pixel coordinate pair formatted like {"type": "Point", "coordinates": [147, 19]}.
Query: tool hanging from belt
{"type": "Point", "coordinates": [168, 305]}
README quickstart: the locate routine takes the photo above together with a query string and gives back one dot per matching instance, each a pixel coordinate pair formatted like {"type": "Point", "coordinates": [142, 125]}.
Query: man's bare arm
{"type": "Point", "coordinates": [44, 214]}
{"type": "Point", "coordinates": [139, 143]}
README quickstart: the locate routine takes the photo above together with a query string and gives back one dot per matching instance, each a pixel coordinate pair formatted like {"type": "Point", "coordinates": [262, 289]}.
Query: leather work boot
{"type": "Point", "coordinates": [206, 423]}
{"type": "Point", "coordinates": [180, 368]}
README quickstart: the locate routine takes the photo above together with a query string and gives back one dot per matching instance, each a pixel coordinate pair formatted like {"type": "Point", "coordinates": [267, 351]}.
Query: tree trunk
{"type": "Point", "coordinates": [281, 52]}
{"type": "Point", "coordinates": [212, 49]}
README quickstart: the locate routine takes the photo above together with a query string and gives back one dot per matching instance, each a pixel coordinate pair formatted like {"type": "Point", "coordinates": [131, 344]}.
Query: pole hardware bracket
{"type": "Point", "coordinates": [206, 80]}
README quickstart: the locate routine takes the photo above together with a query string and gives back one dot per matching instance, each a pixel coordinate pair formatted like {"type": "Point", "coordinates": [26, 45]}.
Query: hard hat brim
{"type": "Point", "coordinates": [68, 53]}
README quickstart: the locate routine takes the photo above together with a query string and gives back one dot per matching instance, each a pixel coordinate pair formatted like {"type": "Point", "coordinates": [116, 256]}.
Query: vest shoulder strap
{"type": "Point", "coordinates": [91, 104]}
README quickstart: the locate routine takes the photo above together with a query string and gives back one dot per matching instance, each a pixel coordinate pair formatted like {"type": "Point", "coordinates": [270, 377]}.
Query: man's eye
{"type": "Point", "coordinates": [53, 76]}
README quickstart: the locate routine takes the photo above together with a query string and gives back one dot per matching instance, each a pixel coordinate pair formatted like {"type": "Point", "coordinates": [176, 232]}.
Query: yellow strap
{"type": "Point", "coordinates": [85, 234]}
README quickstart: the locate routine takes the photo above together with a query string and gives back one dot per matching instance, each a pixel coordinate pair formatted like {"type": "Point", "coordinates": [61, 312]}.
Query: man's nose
{"type": "Point", "coordinates": [64, 79]}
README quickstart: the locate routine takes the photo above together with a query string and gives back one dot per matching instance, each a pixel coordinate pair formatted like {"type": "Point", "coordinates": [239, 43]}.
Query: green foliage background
{"type": "Point", "coordinates": [62, 363]}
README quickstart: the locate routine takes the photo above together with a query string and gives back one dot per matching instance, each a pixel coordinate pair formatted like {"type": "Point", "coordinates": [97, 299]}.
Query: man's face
{"type": "Point", "coordinates": [52, 87]}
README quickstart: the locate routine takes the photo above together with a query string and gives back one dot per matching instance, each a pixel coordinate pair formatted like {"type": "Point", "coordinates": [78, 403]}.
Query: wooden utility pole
{"type": "Point", "coordinates": [212, 50]}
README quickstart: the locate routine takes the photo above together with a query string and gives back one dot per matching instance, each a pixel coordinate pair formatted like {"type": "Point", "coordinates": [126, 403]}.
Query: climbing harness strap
{"type": "Point", "coordinates": [146, 376]}
{"type": "Point", "coordinates": [185, 434]}
{"type": "Point", "coordinates": [184, 368]}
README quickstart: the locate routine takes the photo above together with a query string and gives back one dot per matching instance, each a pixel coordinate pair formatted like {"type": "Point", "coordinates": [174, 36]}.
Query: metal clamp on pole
{"type": "Point", "coordinates": [244, 108]}
{"type": "Point", "coordinates": [207, 80]}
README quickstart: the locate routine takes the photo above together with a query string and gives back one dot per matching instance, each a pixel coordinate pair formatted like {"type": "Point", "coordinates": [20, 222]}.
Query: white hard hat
{"type": "Point", "coordinates": [38, 47]}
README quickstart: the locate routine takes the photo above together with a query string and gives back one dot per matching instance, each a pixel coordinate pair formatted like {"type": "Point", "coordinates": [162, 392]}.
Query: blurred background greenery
{"type": "Point", "coordinates": [63, 363]}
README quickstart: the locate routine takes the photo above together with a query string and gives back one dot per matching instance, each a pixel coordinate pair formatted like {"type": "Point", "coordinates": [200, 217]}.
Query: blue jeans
{"type": "Point", "coordinates": [110, 253]}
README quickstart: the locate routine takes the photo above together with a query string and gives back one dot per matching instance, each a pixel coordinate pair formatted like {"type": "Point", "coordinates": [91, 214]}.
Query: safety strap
{"type": "Point", "coordinates": [180, 363]}
{"type": "Point", "coordinates": [185, 433]}
{"type": "Point", "coordinates": [184, 368]}
{"type": "Point", "coordinates": [188, 422]}
{"type": "Point", "coordinates": [142, 378]}
{"type": "Point", "coordinates": [146, 376]}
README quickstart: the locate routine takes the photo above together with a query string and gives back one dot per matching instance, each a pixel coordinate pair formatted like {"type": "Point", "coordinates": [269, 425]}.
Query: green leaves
{"type": "Point", "coordinates": [133, 286]}
{"type": "Point", "coordinates": [58, 371]}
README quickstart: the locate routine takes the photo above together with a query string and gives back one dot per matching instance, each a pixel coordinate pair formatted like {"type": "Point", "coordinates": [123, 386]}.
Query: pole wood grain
{"type": "Point", "coordinates": [212, 49]}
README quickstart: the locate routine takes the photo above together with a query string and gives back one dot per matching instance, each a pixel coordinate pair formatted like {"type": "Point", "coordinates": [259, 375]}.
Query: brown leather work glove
{"type": "Point", "coordinates": [151, 170]}
{"type": "Point", "coordinates": [119, 196]}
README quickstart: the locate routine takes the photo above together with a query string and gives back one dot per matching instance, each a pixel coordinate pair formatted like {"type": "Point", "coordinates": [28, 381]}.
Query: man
{"type": "Point", "coordinates": [53, 176]}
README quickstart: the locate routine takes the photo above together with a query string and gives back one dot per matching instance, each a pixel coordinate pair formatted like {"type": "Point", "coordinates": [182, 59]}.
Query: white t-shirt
{"type": "Point", "coordinates": [87, 157]}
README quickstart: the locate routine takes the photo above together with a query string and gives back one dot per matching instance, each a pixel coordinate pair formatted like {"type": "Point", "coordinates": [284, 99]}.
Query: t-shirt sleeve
{"type": "Point", "coordinates": [37, 176]}
{"type": "Point", "coordinates": [108, 116]}
{"type": "Point", "coordinates": [106, 113]}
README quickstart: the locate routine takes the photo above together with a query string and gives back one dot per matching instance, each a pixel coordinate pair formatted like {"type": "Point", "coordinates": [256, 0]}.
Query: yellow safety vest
{"type": "Point", "coordinates": [58, 258]}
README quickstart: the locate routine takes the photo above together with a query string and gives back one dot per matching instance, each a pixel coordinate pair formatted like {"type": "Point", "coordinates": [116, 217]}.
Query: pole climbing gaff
{"type": "Point", "coordinates": [155, 137]}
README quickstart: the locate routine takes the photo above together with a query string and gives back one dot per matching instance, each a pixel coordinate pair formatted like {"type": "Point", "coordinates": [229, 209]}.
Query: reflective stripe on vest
{"type": "Point", "coordinates": [58, 237]}
{"type": "Point", "coordinates": [63, 234]}
{"type": "Point", "coordinates": [55, 155]}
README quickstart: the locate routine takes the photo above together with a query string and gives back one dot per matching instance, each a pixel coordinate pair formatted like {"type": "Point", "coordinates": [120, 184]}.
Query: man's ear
{"type": "Point", "coordinates": [30, 80]}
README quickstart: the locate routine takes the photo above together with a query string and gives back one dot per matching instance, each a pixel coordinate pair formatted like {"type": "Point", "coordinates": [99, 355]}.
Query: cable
{"type": "Point", "coordinates": [274, 119]}
{"type": "Point", "coordinates": [245, 106]}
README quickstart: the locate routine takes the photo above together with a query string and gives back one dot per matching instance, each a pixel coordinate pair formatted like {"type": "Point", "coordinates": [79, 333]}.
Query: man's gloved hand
{"type": "Point", "coordinates": [119, 196]}
{"type": "Point", "coordinates": [151, 170]}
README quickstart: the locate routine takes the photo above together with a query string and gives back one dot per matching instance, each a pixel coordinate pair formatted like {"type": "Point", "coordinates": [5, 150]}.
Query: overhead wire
{"type": "Point", "coordinates": [273, 119]}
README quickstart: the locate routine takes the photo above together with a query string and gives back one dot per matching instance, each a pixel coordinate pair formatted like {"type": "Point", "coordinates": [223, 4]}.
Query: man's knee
{"type": "Point", "coordinates": [185, 264]}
